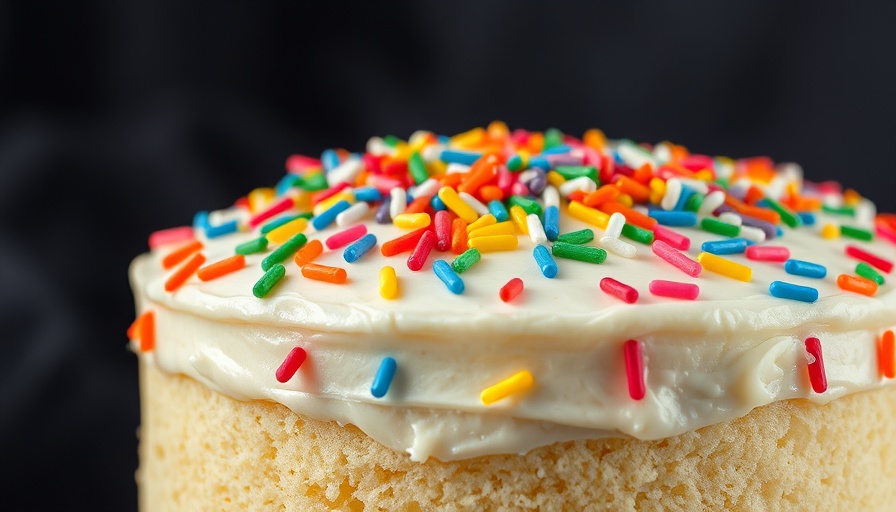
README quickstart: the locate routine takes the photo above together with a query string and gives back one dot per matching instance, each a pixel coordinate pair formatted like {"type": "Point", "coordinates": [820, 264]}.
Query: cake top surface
{"type": "Point", "coordinates": [484, 252]}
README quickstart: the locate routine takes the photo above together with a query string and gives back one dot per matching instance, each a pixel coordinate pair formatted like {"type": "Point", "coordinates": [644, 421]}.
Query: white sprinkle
{"type": "Point", "coordinates": [673, 193]}
{"type": "Point", "coordinates": [712, 201]}
{"type": "Point", "coordinates": [536, 229]}
{"type": "Point", "coordinates": [724, 169]}
{"type": "Point", "coordinates": [456, 168]}
{"type": "Point", "coordinates": [752, 234]}
{"type": "Point", "coordinates": [474, 203]}
{"type": "Point", "coordinates": [731, 218]}
{"type": "Point", "coordinates": [430, 187]}
{"type": "Point", "coordinates": [346, 171]}
{"type": "Point", "coordinates": [697, 185]}
{"type": "Point", "coordinates": [635, 156]}
{"type": "Point", "coordinates": [527, 175]}
{"type": "Point", "coordinates": [376, 146]}
{"type": "Point", "coordinates": [353, 214]}
{"type": "Point", "coordinates": [662, 153]}
{"type": "Point", "coordinates": [865, 212]}
{"type": "Point", "coordinates": [614, 225]}
{"type": "Point", "coordinates": [432, 152]}
{"type": "Point", "coordinates": [551, 196]}
{"type": "Point", "coordinates": [583, 183]}
{"type": "Point", "coordinates": [618, 247]}
{"type": "Point", "coordinates": [399, 202]}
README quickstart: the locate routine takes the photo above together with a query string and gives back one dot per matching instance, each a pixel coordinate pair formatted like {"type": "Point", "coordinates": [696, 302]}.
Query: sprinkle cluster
{"type": "Point", "coordinates": [479, 191]}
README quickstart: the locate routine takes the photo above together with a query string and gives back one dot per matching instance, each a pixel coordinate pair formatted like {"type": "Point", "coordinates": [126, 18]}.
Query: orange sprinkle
{"type": "Point", "coordinates": [886, 355]}
{"type": "Point", "coordinates": [491, 193]}
{"type": "Point", "coordinates": [306, 254]}
{"type": "Point", "coordinates": [857, 284]}
{"type": "Point", "coordinates": [577, 195]}
{"type": "Point", "coordinates": [806, 204]}
{"type": "Point", "coordinates": [482, 172]}
{"type": "Point", "coordinates": [595, 138]}
{"type": "Point", "coordinates": [221, 268]}
{"type": "Point", "coordinates": [851, 197]}
{"type": "Point", "coordinates": [535, 144]}
{"type": "Point", "coordinates": [497, 131]}
{"type": "Point", "coordinates": [602, 195]}
{"type": "Point", "coordinates": [180, 276]}
{"type": "Point", "coordinates": [361, 180]}
{"type": "Point", "coordinates": [324, 273]}
{"type": "Point", "coordinates": [452, 180]}
{"type": "Point", "coordinates": [639, 192]}
{"type": "Point", "coordinates": [643, 174]}
{"type": "Point", "coordinates": [178, 255]}
{"type": "Point", "coordinates": [753, 211]}
{"type": "Point", "coordinates": [631, 216]}
{"type": "Point", "coordinates": [677, 168]}
{"type": "Point", "coordinates": [458, 236]}
{"type": "Point", "coordinates": [134, 329]}
{"type": "Point", "coordinates": [147, 331]}
{"type": "Point", "coordinates": [419, 205]}
{"type": "Point", "coordinates": [753, 195]}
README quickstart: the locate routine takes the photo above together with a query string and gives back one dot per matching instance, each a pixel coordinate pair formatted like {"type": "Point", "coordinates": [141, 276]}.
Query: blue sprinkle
{"type": "Point", "coordinates": [779, 231]}
{"type": "Point", "coordinates": [805, 269]}
{"type": "Point", "coordinates": [674, 218]}
{"type": "Point", "coordinates": [368, 194]}
{"type": "Point", "coordinates": [200, 220]}
{"type": "Point", "coordinates": [731, 246]}
{"type": "Point", "coordinates": [276, 223]}
{"type": "Point", "coordinates": [557, 150]}
{"type": "Point", "coordinates": [551, 223]}
{"type": "Point", "coordinates": [686, 193]}
{"type": "Point", "coordinates": [359, 247]}
{"type": "Point", "coordinates": [287, 182]}
{"type": "Point", "coordinates": [382, 213]}
{"type": "Point", "coordinates": [444, 139]}
{"type": "Point", "coordinates": [784, 290]}
{"type": "Point", "coordinates": [545, 261]}
{"type": "Point", "coordinates": [540, 162]}
{"type": "Point", "coordinates": [444, 272]}
{"type": "Point", "coordinates": [329, 159]}
{"type": "Point", "coordinates": [328, 216]}
{"type": "Point", "coordinates": [453, 156]}
{"type": "Point", "coordinates": [383, 378]}
{"type": "Point", "coordinates": [497, 209]}
{"type": "Point", "coordinates": [437, 203]}
{"type": "Point", "coordinates": [221, 229]}
{"type": "Point", "coordinates": [808, 218]}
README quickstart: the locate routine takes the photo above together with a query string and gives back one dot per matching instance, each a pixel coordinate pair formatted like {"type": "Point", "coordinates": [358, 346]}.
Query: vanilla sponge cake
{"type": "Point", "coordinates": [521, 320]}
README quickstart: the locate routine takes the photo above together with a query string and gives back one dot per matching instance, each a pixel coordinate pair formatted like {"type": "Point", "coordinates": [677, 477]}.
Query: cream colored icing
{"type": "Point", "coordinates": [707, 361]}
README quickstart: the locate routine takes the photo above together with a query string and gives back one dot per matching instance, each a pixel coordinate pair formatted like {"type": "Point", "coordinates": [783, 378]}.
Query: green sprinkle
{"type": "Point", "coordinates": [693, 203]}
{"type": "Point", "coordinates": [867, 271]}
{"type": "Point", "coordinates": [515, 163]}
{"type": "Point", "coordinates": [391, 140]}
{"type": "Point", "coordinates": [857, 233]}
{"type": "Point", "coordinates": [787, 216]}
{"type": "Point", "coordinates": [570, 172]}
{"type": "Point", "coordinates": [723, 182]}
{"type": "Point", "coordinates": [842, 210]}
{"type": "Point", "coordinates": [530, 206]}
{"type": "Point", "coordinates": [286, 250]}
{"type": "Point", "coordinates": [553, 138]}
{"type": "Point", "coordinates": [720, 228]}
{"type": "Point", "coordinates": [466, 260]}
{"type": "Point", "coordinates": [582, 236]}
{"type": "Point", "coordinates": [637, 234]}
{"type": "Point", "coordinates": [417, 168]}
{"type": "Point", "coordinates": [578, 252]}
{"type": "Point", "coordinates": [313, 182]}
{"type": "Point", "coordinates": [268, 280]}
{"type": "Point", "coordinates": [252, 246]}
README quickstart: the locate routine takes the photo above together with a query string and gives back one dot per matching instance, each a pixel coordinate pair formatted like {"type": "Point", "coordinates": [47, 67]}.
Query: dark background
{"type": "Point", "coordinates": [123, 117]}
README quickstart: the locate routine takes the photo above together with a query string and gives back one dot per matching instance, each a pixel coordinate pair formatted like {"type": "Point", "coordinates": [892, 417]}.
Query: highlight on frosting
{"type": "Point", "coordinates": [548, 201]}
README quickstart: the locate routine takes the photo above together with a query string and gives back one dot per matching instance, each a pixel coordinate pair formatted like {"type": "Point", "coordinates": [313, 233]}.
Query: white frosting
{"type": "Point", "coordinates": [707, 361]}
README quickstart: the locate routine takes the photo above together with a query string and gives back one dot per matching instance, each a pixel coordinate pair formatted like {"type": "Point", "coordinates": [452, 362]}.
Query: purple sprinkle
{"type": "Point", "coordinates": [767, 227]}
{"type": "Point", "coordinates": [382, 213]}
{"type": "Point", "coordinates": [538, 182]}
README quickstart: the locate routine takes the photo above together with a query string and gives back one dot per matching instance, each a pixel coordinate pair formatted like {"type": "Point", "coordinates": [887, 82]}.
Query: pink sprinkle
{"type": "Point", "coordinates": [887, 233]}
{"type": "Point", "coordinates": [170, 236]}
{"type": "Point", "coordinates": [816, 368]}
{"type": "Point", "coordinates": [674, 289]}
{"type": "Point", "coordinates": [384, 183]}
{"type": "Point", "coordinates": [871, 259]}
{"type": "Point", "coordinates": [621, 291]}
{"type": "Point", "coordinates": [442, 221]}
{"type": "Point", "coordinates": [676, 258]}
{"type": "Point", "coordinates": [592, 157]}
{"type": "Point", "coordinates": [347, 236]}
{"type": "Point", "coordinates": [511, 290]}
{"type": "Point", "coordinates": [330, 192]}
{"type": "Point", "coordinates": [279, 207]}
{"type": "Point", "coordinates": [505, 179]}
{"type": "Point", "coordinates": [634, 369]}
{"type": "Point", "coordinates": [519, 189]}
{"type": "Point", "coordinates": [768, 253]}
{"type": "Point", "coordinates": [291, 364]}
{"type": "Point", "coordinates": [673, 238]}
{"type": "Point", "coordinates": [421, 251]}
{"type": "Point", "coordinates": [296, 164]}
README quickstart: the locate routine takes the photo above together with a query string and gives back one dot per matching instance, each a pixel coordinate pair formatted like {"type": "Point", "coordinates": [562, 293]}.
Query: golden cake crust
{"type": "Point", "coordinates": [201, 450]}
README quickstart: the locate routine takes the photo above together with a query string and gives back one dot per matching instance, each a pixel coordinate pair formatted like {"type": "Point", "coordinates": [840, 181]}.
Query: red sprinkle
{"type": "Point", "coordinates": [279, 207]}
{"type": "Point", "coordinates": [634, 369]}
{"type": "Point", "coordinates": [291, 364]}
{"type": "Point", "coordinates": [768, 253]}
{"type": "Point", "coordinates": [871, 259]}
{"type": "Point", "coordinates": [621, 291]}
{"type": "Point", "coordinates": [688, 291]}
{"type": "Point", "coordinates": [296, 164]}
{"type": "Point", "coordinates": [816, 369]}
{"type": "Point", "coordinates": [442, 221]}
{"type": "Point", "coordinates": [346, 236]}
{"type": "Point", "coordinates": [330, 192]}
{"type": "Point", "coordinates": [424, 246]}
{"type": "Point", "coordinates": [511, 290]}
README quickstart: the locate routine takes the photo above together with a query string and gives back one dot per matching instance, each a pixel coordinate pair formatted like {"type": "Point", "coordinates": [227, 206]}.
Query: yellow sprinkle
{"type": "Point", "coordinates": [283, 233]}
{"type": "Point", "coordinates": [724, 266]}
{"type": "Point", "coordinates": [657, 190]}
{"type": "Point", "coordinates": [501, 228]}
{"type": "Point", "coordinates": [556, 179]}
{"type": "Point", "coordinates": [518, 383]}
{"type": "Point", "coordinates": [625, 199]}
{"type": "Point", "coordinates": [470, 139]}
{"type": "Point", "coordinates": [388, 283]}
{"type": "Point", "coordinates": [704, 175]}
{"type": "Point", "coordinates": [518, 215]}
{"type": "Point", "coordinates": [851, 197]}
{"type": "Point", "coordinates": [411, 220]}
{"type": "Point", "coordinates": [402, 151]}
{"type": "Point", "coordinates": [325, 205]}
{"type": "Point", "coordinates": [437, 168]}
{"type": "Point", "coordinates": [830, 231]}
{"type": "Point", "coordinates": [457, 205]}
{"type": "Point", "coordinates": [260, 198]}
{"type": "Point", "coordinates": [481, 222]}
{"type": "Point", "coordinates": [494, 243]}
{"type": "Point", "coordinates": [594, 217]}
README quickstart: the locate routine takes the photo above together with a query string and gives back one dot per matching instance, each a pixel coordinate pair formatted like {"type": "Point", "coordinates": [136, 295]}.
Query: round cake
{"type": "Point", "coordinates": [516, 320]}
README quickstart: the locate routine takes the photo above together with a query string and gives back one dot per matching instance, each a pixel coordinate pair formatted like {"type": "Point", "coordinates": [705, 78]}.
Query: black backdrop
{"type": "Point", "coordinates": [123, 117]}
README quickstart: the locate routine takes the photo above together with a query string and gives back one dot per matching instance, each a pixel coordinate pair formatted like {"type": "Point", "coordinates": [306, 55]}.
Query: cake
{"type": "Point", "coordinates": [515, 320]}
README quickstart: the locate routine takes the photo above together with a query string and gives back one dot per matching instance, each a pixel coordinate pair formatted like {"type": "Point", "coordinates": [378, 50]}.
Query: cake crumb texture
{"type": "Point", "coordinates": [201, 450]}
